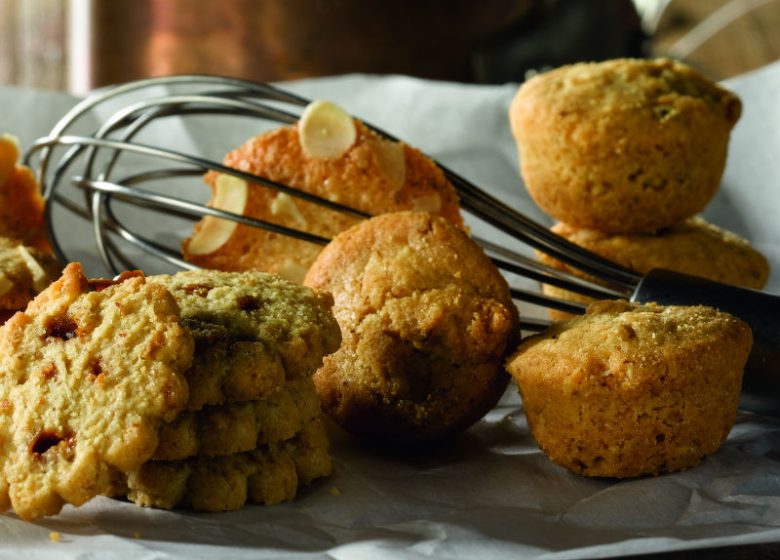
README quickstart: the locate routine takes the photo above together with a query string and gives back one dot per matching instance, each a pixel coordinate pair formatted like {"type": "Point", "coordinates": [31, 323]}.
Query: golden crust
{"type": "Point", "coordinates": [622, 146]}
{"type": "Point", "coordinates": [268, 475]}
{"type": "Point", "coordinates": [272, 325]}
{"type": "Point", "coordinates": [425, 320]}
{"type": "Point", "coordinates": [691, 247]}
{"type": "Point", "coordinates": [78, 351]}
{"type": "Point", "coordinates": [359, 178]}
{"type": "Point", "coordinates": [630, 390]}
{"type": "Point", "coordinates": [239, 427]}
{"type": "Point", "coordinates": [21, 203]}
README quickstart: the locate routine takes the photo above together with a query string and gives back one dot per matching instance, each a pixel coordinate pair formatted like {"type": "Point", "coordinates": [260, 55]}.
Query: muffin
{"type": "Point", "coordinates": [631, 390]}
{"type": "Point", "coordinates": [425, 319]}
{"type": "Point", "coordinates": [366, 172]}
{"type": "Point", "coordinates": [691, 247]}
{"type": "Point", "coordinates": [623, 146]}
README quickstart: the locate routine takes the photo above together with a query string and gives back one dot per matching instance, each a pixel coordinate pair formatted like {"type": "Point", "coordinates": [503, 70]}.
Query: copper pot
{"type": "Point", "coordinates": [270, 40]}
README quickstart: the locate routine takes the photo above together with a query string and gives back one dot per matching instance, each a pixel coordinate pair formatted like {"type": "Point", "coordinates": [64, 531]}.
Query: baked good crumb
{"type": "Point", "coordinates": [622, 146]}
{"type": "Point", "coordinates": [632, 390]}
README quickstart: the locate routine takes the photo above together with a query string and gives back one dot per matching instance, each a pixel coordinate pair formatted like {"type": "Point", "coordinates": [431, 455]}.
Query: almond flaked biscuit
{"type": "Point", "coordinates": [87, 375]}
{"type": "Point", "coordinates": [268, 475]}
{"type": "Point", "coordinates": [24, 272]}
{"type": "Point", "coordinates": [373, 175]}
{"type": "Point", "coordinates": [235, 428]}
{"type": "Point", "coordinates": [292, 323]}
{"type": "Point", "coordinates": [21, 203]}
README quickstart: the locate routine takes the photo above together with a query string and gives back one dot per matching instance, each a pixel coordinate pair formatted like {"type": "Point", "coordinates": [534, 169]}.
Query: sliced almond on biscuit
{"type": "Point", "coordinates": [9, 155]}
{"type": "Point", "coordinates": [427, 203]}
{"type": "Point", "coordinates": [40, 278]}
{"type": "Point", "coordinates": [325, 130]}
{"type": "Point", "coordinates": [5, 284]}
{"type": "Point", "coordinates": [392, 161]}
{"type": "Point", "coordinates": [230, 194]}
{"type": "Point", "coordinates": [283, 206]}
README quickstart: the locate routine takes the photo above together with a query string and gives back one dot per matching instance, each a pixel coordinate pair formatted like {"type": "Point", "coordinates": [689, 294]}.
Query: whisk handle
{"type": "Point", "coordinates": [761, 384]}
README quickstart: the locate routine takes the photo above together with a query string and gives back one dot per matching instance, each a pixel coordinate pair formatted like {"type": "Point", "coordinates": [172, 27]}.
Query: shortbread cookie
{"type": "Point", "coordinates": [228, 370]}
{"type": "Point", "coordinates": [631, 390]}
{"type": "Point", "coordinates": [21, 203]}
{"type": "Point", "coordinates": [691, 247]}
{"type": "Point", "coordinates": [622, 146]}
{"type": "Point", "coordinates": [425, 318]}
{"type": "Point", "coordinates": [89, 372]}
{"type": "Point", "coordinates": [235, 428]}
{"type": "Point", "coordinates": [289, 322]}
{"type": "Point", "coordinates": [269, 475]}
{"type": "Point", "coordinates": [370, 174]}
{"type": "Point", "coordinates": [24, 272]}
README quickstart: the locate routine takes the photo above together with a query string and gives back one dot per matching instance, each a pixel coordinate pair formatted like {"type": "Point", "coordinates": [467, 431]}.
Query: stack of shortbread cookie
{"type": "Point", "coordinates": [191, 390]}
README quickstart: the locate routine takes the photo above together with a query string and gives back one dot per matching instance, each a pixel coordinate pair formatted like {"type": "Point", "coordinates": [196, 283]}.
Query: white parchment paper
{"type": "Point", "coordinates": [492, 493]}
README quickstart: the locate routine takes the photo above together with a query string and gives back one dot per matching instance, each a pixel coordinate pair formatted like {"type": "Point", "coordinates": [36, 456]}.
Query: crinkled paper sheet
{"type": "Point", "coordinates": [492, 493]}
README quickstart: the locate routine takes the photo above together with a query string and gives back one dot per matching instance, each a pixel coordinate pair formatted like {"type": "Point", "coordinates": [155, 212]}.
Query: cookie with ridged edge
{"type": "Point", "coordinates": [268, 475]}
{"type": "Point", "coordinates": [225, 370]}
{"type": "Point", "coordinates": [89, 372]}
{"type": "Point", "coordinates": [291, 321]}
{"type": "Point", "coordinates": [239, 427]}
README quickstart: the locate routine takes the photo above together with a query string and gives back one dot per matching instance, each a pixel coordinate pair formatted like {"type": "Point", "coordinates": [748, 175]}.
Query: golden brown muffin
{"type": "Point", "coordinates": [622, 146]}
{"type": "Point", "coordinates": [425, 319]}
{"type": "Point", "coordinates": [21, 203]}
{"type": "Point", "coordinates": [373, 175]}
{"type": "Point", "coordinates": [630, 390]}
{"type": "Point", "coordinates": [691, 247]}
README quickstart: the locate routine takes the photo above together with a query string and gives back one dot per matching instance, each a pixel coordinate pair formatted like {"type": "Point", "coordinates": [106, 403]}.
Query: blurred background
{"type": "Point", "coordinates": [77, 45]}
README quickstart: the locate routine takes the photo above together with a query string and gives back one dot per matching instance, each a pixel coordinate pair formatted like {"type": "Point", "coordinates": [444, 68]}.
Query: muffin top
{"type": "Point", "coordinates": [663, 88]}
{"type": "Point", "coordinates": [631, 346]}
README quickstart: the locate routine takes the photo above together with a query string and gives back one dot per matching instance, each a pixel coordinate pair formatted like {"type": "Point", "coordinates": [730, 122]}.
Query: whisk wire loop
{"type": "Point", "coordinates": [211, 95]}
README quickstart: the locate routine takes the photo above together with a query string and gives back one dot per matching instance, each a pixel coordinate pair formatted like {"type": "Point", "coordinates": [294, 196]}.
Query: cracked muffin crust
{"type": "Point", "coordinates": [425, 320]}
{"type": "Point", "coordinates": [622, 146]}
{"type": "Point", "coordinates": [631, 390]}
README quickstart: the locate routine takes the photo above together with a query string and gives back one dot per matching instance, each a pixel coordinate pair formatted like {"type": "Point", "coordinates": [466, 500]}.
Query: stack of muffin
{"type": "Point", "coordinates": [624, 154]}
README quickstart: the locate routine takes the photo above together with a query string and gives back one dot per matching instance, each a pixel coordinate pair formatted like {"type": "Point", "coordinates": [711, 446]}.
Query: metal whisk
{"type": "Point", "coordinates": [91, 162]}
